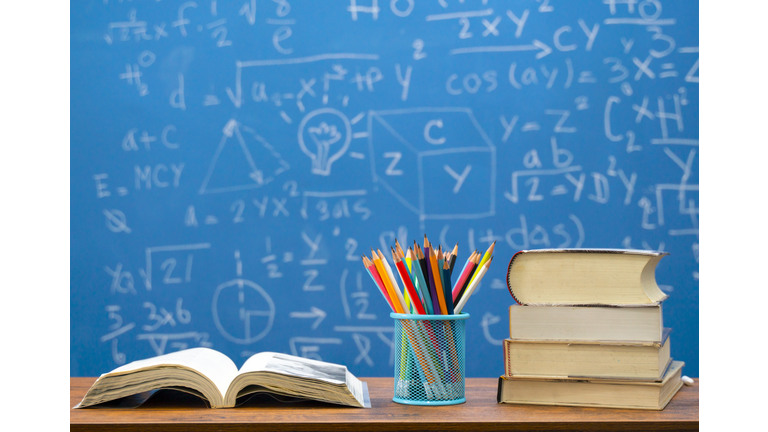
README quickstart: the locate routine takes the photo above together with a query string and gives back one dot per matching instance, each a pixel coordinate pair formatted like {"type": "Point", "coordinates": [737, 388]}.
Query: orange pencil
{"type": "Point", "coordinates": [393, 282]}
{"type": "Point", "coordinates": [438, 283]}
{"type": "Point", "coordinates": [391, 291]}
{"type": "Point", "coordinates": [377, 280]}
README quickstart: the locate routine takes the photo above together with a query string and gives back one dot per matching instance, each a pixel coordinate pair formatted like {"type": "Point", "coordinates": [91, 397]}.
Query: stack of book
{"type": "Point", "coordinates": [588, 331]}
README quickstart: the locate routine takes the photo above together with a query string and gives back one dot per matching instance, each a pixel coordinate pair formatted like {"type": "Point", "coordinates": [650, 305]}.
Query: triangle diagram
{"type": "Point", "coordinates": [241, 163]}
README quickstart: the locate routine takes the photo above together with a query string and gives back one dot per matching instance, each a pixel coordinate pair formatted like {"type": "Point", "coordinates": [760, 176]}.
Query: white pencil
{"type": "Point", "coordinates": [471, 288]}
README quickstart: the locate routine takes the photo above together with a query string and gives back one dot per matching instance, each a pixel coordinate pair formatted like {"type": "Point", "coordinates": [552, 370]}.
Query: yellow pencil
{"type": "Point", "coordinates": [485, 259]}
{"type": "Point", "coordinates": [406, 295]}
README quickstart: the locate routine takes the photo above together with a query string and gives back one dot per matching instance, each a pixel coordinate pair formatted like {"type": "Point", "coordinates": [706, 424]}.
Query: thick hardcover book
{"type": "Point", "coordinates": [606, 393]}
{"type": "Point", "coordinates": [625, 361]}
{"type": "Point", "coordinates": [584, 277]}
{"type": "Point", "coordinates": [640, 324]}
{"type": "Point", "coordinates": [213, 377]}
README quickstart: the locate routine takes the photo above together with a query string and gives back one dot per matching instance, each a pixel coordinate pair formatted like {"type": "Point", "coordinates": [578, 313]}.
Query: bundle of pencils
{"type": "Point", "coordinates": [426, 274]}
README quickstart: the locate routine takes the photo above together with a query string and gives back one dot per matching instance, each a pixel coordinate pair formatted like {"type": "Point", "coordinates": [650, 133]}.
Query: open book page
{"type": "Point", "coordinates": [217, 367]}
{"type": "Point", "coordinates": [296, 366]}
{"type": "Point", "coordinates": [356, 387]}
{"type": "Point", "coordinates": [328, 382]}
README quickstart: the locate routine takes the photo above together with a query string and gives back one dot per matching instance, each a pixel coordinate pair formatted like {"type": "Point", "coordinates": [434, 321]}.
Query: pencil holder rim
{"type": "Point", "coordinates": [460, 316]}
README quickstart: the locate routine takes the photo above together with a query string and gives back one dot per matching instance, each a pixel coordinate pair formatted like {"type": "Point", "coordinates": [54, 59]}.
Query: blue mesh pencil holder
{"type": "Point", "coordinates": [430, 356]}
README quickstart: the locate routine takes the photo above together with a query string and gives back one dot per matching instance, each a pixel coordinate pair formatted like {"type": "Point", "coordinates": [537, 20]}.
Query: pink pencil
{"type": "Point", "coordinates": [464, 275]}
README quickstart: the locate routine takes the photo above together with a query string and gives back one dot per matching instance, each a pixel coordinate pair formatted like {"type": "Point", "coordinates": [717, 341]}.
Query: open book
{"type": "Point", "coordinates": [212, 376]}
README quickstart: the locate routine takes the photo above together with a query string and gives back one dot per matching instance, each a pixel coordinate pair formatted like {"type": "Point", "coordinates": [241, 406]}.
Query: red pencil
{"type": "Point", "coordinates": [408, 285]}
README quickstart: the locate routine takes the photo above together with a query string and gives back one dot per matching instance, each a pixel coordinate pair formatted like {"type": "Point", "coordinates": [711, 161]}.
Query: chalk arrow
{"type": "Point", "coordinates": [488, 320]}
{"type": "Point", "coordinates": [230, 127]}
{"type": "Point", "coordinates": [545, 50]}
{"type": "Point", "coordinates": [313, 313]}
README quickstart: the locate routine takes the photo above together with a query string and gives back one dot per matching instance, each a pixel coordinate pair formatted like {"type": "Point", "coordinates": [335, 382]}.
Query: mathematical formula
{"type": "Point", "coordinates": [244, 155]}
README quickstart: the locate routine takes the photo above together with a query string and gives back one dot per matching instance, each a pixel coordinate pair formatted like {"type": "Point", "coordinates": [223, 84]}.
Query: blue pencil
{"type": "Point", "coordinates": [422, 285]}
{"type": "Point", "coordinates": [410, 263]}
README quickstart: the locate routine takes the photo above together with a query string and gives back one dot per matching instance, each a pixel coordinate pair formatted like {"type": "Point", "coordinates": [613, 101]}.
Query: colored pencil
{"type": "Point", "coordinates": [422, 284]}
{"type": "Point", "coordinates": [479, 276]}
{"type": "Point", "coordinates": [407, 283]}
{"type": "Point", "coordinates": [438, 283]}
{"type": "Point", "coordinates": [447, 286]}
{"type": "Point", "coordinates": [398, 248]}
{"type": "Point", "coordinates": [428, 288]}
{"type": "Point", "coordinates": [407, 300]}
{"type": "Point", "coordinates": [383, 274]}
{"type": "Point", "coordinates": [395, 286]}
{"type": "Point", "coordinates": [406, 258]}
{"type": "Point", "coordinates": [396, 254]}
{"type": "Point", "coordinates": [410, 263]}
{"type": "Point", "coordinates": [454, 253]}
{"type": "Point", "coordinates": [463, 276]}
{"type": "Point", "coordinates": [442, 266]}
{"type": "Point", "coordinates": [374, 274]}
{"type": "Point", "coordinates": [486, 257]}
{"type": "Point", "coordinates": [430, 276]}
{"type": "Point", "coordinates": [440, 260]}
{"type": "Point", "coordinates": [475, 268]}
{"type": "Point", "coordinates": [406, 295]}
{"type": "Point", "coordinates": [422, 261]}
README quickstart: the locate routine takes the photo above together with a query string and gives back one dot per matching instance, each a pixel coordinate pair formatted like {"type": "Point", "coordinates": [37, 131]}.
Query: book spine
{"type": "Point", "coordinates": [498, 390]}
{"type": "Point", "coordinates": [509, 270]}
{"type": "Point", "coordinates": [507, 364]}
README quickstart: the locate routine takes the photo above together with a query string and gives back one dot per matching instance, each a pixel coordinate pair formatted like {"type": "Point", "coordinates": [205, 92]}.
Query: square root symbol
{"type": "Point", "coordinates": [437, 162]}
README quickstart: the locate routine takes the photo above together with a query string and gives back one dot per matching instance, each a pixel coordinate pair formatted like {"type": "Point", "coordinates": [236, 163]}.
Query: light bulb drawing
{"type": "Point", "coordinates": [324, 137]}
{"type": "Point", "coordinates": [328, 133]}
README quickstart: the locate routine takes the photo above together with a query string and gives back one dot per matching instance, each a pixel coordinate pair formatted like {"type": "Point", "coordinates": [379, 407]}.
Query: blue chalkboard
{"type": "Point", "coordinates": [231, 161]}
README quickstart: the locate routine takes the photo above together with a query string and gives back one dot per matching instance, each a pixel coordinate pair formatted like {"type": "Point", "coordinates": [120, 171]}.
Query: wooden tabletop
{"type": "Point", "coordinates": [480, 412]}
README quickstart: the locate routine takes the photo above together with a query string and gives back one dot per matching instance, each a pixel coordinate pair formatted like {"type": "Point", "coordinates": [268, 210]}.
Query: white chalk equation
{"type": "Point", "coordinates": [294, 136]}
{"type": "Point", "coordinates": [171, 274]}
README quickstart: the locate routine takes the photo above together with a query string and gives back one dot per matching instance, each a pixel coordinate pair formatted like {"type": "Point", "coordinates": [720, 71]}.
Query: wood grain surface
{"type": "Point", "coordinates": [177, 412]}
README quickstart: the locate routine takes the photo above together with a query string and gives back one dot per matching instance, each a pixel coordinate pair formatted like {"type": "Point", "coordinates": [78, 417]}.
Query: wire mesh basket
{"type": "Point", "coordinates": [430, 355]}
